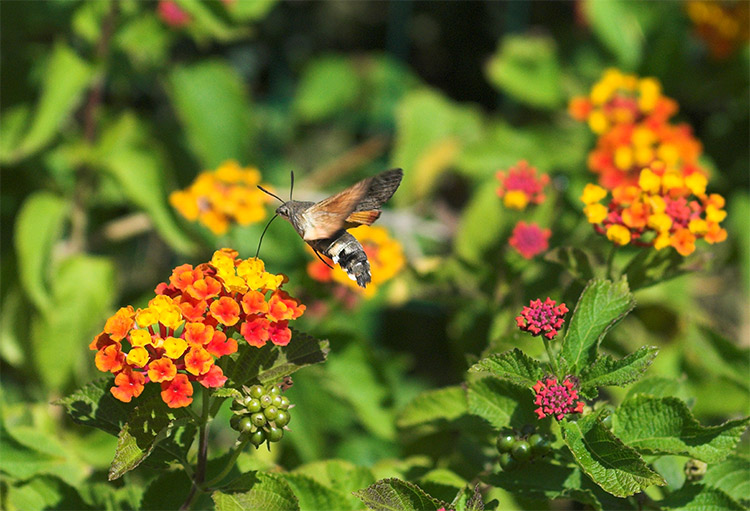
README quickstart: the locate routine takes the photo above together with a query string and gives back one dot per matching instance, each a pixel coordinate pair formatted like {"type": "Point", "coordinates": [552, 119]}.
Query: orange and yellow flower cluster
{"type": "Point", "coordinates": [217, 198]}
{"type": "Point", "coordinates": [723, 25]}
{"type": "Point", "coordinates": [520, 186]}
{"type": "Point", "coordinates": [664, 209]}
{"type": "Point", "coordinates": [385, 254]}
{"type": "Point", "coordinates": [631, 117]}
{"type": "Point", "coordinates": [190, 324]}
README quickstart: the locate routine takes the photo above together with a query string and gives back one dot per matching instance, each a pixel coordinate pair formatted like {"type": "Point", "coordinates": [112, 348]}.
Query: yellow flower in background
{"type": "Point", "coordinates": [217, 198]}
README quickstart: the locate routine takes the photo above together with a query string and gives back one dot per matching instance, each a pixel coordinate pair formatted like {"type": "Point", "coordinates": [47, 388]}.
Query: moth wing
{"type": "Point", "coordinates": [381, 188]}
{"type": "Point", "coordinates": [325, 218]}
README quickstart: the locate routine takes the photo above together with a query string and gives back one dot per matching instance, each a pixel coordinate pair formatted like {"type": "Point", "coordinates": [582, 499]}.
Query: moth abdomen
{"type": "Point", "coordinates": [348, 253]}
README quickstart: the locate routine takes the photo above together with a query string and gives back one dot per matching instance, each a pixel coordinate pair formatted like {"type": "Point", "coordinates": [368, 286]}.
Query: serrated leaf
{"type": "Point", "coordinates": [38, 225]}
{"type": "Point", "coordinates": [256, 490]}
{"type": "Point", "coordinates": [447, 403]}
{"type": "Point", "coordinates": [526, 68]}
{"type": "Point", "coordinates": [615, 467]}
{"type": "Point", "coordinates": [696, 497]}
{"type": "Point", "coordinates": [93, 405]}
{"type": "Point", "coordinates": [150, 423]}
{"type": "Point", "coordinates": [397, 495]}
{"type": "Point", "coordinates": [313, 496]}
{"type": "Point", "coordinates": [501, 403]}
{"type": "Point", "coordinates": [617, 27]}
{"type": "Point", "coordinates": [545, 481]}
{"type": "Point", "coordinates": [468, 499]}
{"type": "Point", "coordinates": [658, 386]}
{"type": "Point", "coordinates": [601, 305]}
{"type": "Point", "coordinates": [573, 259]}
{"type": "Point", "coordinates": [83, 291]}
{"type": "Point", "coordinates": [329, 85]}
{"type": "Point", "coordinates": [514, 366]}
{"type": "Point", "coordinates": [66, 78]}
{"type": "Point", "coordinates": [666, 426]}
{"type": "Point", "coordinates": [271, 362]}
{"type": "Point", "coordinates": [732, 476]}
{"type": "Point", "coordinates": [224, 392]}
{"type": "Point", "coordinates": [608, 371]}
{"type": "Point", "coordinates": [211, 102]}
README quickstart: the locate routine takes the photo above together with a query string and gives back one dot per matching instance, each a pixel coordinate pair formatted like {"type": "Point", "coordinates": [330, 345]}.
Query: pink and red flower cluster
{"type": "Point", "coordinates": [190, 324]}
{"type": "Point", "coordinates": [529, 239]}
{"type": "Point", "coordinates": [542, 318]}
{"type": "Point", "coordinates": [520, 186]}
{"type": "Point", "coordinates": [556, 399]}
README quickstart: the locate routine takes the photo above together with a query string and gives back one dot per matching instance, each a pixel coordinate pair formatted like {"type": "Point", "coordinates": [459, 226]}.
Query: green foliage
{"type": "Point", "coordinates": [397, 495]}
{"type": "Point", "coordinates": [500, 403]}
{"type": "Point", "coordinates": [329, 86]}
{"type": "Point", "coordinates": [257, 490]}
{"type": "Point", "coordinates": [447, 403]}
{"type": "Point", "coordinates": [514, 366]}
{"type": "Point", "coordinates": [607, 371]}
{"type": "Point", "coordinates": [601, 305]}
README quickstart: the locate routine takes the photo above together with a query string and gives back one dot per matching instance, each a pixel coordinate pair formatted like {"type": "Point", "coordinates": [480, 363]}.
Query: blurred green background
{"type": "Point", "coordinates": [109, 106]}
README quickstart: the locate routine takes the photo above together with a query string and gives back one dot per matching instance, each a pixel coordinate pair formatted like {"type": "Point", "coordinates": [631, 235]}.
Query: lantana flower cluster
{"type": "Point", "coordinates": [219, 197]}
{"type": "Point", "coordinates": [386, 256]}
{"type": "Point", "coordinates": [542, 318]}
{"type": "Point", "coordinates": [724, 26]}
{"type": "Point", "coordinates": [519, 187]}
{"type": "Point", "coordinates": [664, 209]}
{"type": "Point", "coordinates": [190, 324]}
{"type": "Point", "coordinates": [631, 116]}
{"type": "Point", "coordinates": [556, 399]}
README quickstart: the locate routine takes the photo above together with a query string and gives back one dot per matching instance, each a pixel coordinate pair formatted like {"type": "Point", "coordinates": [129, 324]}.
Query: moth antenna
{"type": "Point", "coordinates": [291, 188]}
{"type": "Point", "coordinates": [324, 261]}
{"type": "Point", "coordinates": [264, 230]}
{"type": "Point", "coordinates": [271, 194]}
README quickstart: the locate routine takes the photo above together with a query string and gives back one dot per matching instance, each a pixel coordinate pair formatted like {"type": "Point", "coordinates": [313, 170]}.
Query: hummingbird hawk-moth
{"type": "Point", "coordinates": [323, 225]}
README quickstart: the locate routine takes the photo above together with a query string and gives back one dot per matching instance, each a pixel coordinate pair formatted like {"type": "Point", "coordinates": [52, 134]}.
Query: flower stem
{"type": "Point", "coordinates": [200, 468]}
{"type": "Point", "coordinates": [230, 464]}
{"type": "Point", "coordinates": [610, 260]}
{"type": "Point", "coordinates": [552, 358]}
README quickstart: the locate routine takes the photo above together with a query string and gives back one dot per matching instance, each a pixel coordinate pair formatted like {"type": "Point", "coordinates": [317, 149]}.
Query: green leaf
{"type": "Point", "coordinates": [651, 267]}
{"type": "Point", "coordinates": [468, 499]}
{"type": "Point", "coordinates": [617, 27]}
{"type": "Point", "coordinates": [726, 357]}
{"type": "Point", "coordinates": [93, 405]}
{"type": "Point", "coordinates": [483, 224]}
{"type": "Point", "coordinates": [514, 366]}
{"type": "Point", "coordinates": [15, 318]}
{"type": "Point", "coordinates": [501, 403]}
{"type": "Point", "coordinates": [545, 481]}
{"type": "Point", "coordinates": [314, 496]}
{"type": "Point", "coordinates": [44, 493]}
{"type": "Point", "coordinates": [696, 497]}
{"type": "Point", "coordinates": [573, 259]}
{"type": "Point", "coordinates": [601, 305]}
{"type": "Point", "coordinates": [658, 386]}
{"type": "Point", "coordinates": [666, 426]}
{"type": "Point", "coordinates": [250, 11]}
{"type": "Point", "coordinates": [168, 491]}
{"type": "Point", "coordinates": [271, 363]}
{"type": "Point", "coordinates": [430, 131]}
{"type": "Point", "coordinates": [211, 102]}
{"type": "Point", "coordinates": [207, 22]}
{"type": "Point", "coordinates": [150, 423]}
{"type": "Point", "coordinates": [256, 490]}
{"type": "Point", "coordinates": [329, 85]}
{"type": "Point", "coordinates": [38, 226]}
{"type": "Point", "coordinates": [397, 495]}
{"type": "Point", "coordinates": [338, 474]}
{"type": "Point", "coordinates": [447, 403]}
{"type": "Point", "coordinates": [145, 40]}
{"type": "Point", "coordinates": [732, 476]}
{"type": "Point", "coordinates": [526, 68]}
{"type": "Point", "coordinates": [138, 170]}
{"type": "Point", "coordinates": [66, 78]}
{"type": "Point", "coordinates": [608, 371]}
{"type": "Point", "coordinates": [84, 289]}
{"type": "Point", "coordinates": [615, 467]}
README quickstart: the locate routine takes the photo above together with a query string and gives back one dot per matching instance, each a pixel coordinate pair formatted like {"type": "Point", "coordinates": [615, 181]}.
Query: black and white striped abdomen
{"type": "Point", "coordinates": [348, 253]}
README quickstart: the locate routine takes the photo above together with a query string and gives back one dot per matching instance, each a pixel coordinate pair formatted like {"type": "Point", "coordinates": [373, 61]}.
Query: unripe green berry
{"type": "Point", "coordinates": [539, 444]}
{"type": "Point", "coordinates": [245, 424]}
{"type": "Point", "coordinates": [257, 437]}
{"type": "Point", "coordinates": [521, 451]}
{"type": "Point", "coordinates": [234, 422]}
{"type": "Point", "coordinates": [245, 400]}
{"type": "Point", "coordinates": [284, 403]}
{"type": "Point", "coordinates": [274, 390]}
{"type": "Point", "coordinates": [253, 405]}
{"type": "Point", "coordinates": [258, 419]}
{"type": "Point", "coordinates": [256, 391]}
{"type": "Point", "coordinates": [505, 442]}
{"type": "Point", "coordinates": [271, 412]}
{"type": "Point", "coordinates": [282, 418]}
{"type": "Point", "coordinates": [276, 401]}
{"type": "Point", "coordinates": [274, 434]}
{"type": "Point", "coordinates": [266, 400]}
{"type": "Point", "coordinates": [507, 462]}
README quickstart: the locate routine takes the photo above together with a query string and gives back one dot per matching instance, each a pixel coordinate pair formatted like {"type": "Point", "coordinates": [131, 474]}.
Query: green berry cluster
{"type": "Point", "coordinates": [519, 448]}
{"type": "Point", "coordinates": [260, 414]}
